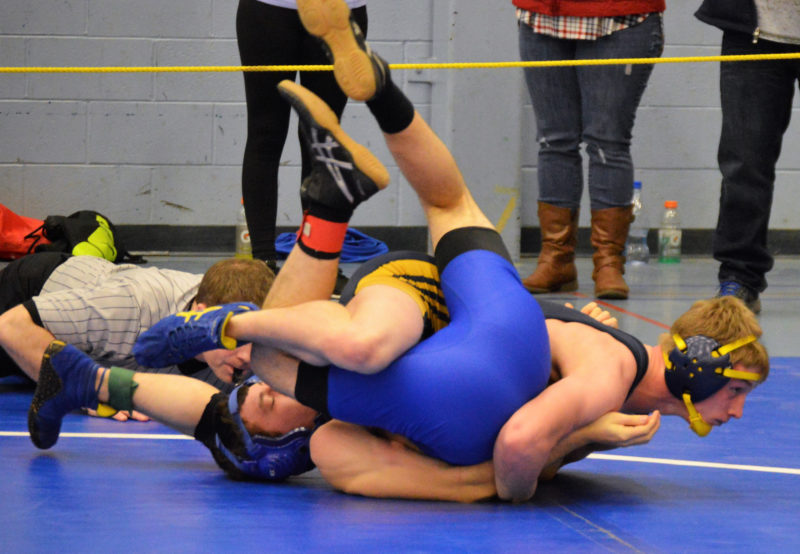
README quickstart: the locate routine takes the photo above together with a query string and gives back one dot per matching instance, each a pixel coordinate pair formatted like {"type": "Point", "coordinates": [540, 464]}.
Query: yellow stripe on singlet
{"type": "Point", "coordinates": [420, 280]}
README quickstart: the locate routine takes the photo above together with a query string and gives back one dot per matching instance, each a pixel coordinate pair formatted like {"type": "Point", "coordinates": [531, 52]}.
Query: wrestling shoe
{"type": "Point", "coordinates": [184, 335]}
{"type": "Point", "coordinates": [360, 72]}
{"type": "Point", "coordinates": [742, 292]}
{"type": "Point", "coordinates": [343, 173]}
{"type": "Point", "coordinates": [66, 383]}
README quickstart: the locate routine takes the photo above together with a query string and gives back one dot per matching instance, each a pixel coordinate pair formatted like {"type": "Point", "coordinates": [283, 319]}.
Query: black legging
{"type": "Point", "coordinates": [269, 35]}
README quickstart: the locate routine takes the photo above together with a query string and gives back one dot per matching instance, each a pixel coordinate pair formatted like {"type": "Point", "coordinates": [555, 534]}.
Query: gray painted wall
{"type": "Point", "coordinates": [166, 148]}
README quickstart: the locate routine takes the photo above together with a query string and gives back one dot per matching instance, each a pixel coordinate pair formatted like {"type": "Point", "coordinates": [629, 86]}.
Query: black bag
{"type": "Point", "coordinates": [85, 233]}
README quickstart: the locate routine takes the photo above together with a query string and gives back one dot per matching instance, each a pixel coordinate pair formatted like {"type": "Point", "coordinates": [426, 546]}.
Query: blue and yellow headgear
{"type": "Point", "coordinates": [697, 368]}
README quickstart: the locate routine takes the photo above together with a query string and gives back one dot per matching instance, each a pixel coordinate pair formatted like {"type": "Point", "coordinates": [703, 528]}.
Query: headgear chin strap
{"type": "Point", "coordinates": [696, 421]}
{"type": "Point", "coordinates": [269, 458]}
{"type": "Point", "coordinates": [697, 368]}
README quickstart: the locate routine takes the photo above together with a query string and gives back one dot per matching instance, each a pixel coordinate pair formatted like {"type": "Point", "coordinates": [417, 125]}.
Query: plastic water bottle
{"type": "Point", "coordinates": [636, 251]}
{"type": "Point", "coordinates": [243, 247]}
{"type": "Point", "coordinates": [669, 234]}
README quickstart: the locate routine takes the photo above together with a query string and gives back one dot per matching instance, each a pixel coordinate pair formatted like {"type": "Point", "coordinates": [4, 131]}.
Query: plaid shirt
{"type": "Point", "coordinates": [579, 28]}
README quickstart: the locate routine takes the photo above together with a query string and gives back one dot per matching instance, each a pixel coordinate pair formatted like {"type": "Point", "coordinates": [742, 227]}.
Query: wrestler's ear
{"type": "Point", "coordinates": [198, 306]}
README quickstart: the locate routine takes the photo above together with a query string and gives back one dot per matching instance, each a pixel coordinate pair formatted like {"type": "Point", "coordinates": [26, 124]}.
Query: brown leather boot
{"type": "Point", "coordinates": [555, 270]}
{"type": "Point", "coordinates": [609, 233]}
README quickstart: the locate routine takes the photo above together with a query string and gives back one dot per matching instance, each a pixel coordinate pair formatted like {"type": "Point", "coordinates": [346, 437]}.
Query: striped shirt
{"type": "Point", "coordinates": [101, 308]}
{"type": "Point", "coordinates": [577, 28]}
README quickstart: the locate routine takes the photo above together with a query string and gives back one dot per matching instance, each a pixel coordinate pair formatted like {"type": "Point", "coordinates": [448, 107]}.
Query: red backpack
{"type": "Point", "coordinates": [84, 233]}
{"type": "Point", "coordinates": [19, 235]}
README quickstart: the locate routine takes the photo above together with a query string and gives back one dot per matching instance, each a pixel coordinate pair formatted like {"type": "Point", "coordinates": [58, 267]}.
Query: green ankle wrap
{"type": "Point", "coordinates": [121, 388]}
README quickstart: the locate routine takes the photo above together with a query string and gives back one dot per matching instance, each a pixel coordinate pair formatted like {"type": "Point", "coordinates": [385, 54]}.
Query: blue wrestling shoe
{"type": "Point", "coordinates": [182, 336]}
{"type": "Point", "coordinates": [66, 383]}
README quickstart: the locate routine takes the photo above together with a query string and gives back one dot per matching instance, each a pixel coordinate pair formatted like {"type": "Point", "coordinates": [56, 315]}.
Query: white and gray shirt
{"type": "Point", "coordinates": [101, 308]}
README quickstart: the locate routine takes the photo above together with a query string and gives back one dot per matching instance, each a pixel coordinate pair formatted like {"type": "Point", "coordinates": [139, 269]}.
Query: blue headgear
{"type": "Point", "coordinates": [697, 368]}
{"type": "Point", "coordinates": [269, 458]}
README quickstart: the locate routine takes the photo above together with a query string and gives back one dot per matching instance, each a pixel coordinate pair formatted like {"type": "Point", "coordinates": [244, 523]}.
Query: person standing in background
{"type": "Point", "coordinates": [595, 105]}
{"type": "Point", "coordinates": [756, 100]}
{"type": "Point", "coordinates": [269, 32]}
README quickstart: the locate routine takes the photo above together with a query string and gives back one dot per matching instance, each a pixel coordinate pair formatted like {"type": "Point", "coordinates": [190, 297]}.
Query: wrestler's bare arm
{"type": "Point", "coordinates": [356, 461]}
{"type": "Point", "coordinates": [378, 325]}
{"type": "Point", "coordinates": [595, 380]}
{"type": "Point", "coordinates": [23, 340]}
{"type": "Point", "coordinates": [612, 430]}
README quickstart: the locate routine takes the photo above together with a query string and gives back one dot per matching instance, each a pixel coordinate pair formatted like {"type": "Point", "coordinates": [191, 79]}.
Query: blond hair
{"type": "Point", "coordinates": [724, 319]}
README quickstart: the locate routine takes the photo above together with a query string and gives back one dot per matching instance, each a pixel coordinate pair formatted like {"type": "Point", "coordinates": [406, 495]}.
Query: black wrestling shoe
{"type": "Point", "coordinates": [360, 72]}
{"type": "Point", "coordinates": [742, 292]}
{"type": "Point", "coordinates": [343, 173]}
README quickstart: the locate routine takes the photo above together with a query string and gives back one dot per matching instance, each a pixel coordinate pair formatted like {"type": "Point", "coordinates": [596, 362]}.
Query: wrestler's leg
{"type": "Point", "coordinates": [422, 157]}
{"type": "Point", "coordinates": [367, 334]}
{"type": "Point", "coordinates": [322, 333]}
{"type": "Point", "coordinates": [302, 278]}
{"type": "Point", "coordinates": [177, 401]}
{"type": "Point", "coordinates": [432, 172]}
{"type": "Point", "coordinates": [343, 174]}
{"type": "Point", "coordinates": [69, 380]}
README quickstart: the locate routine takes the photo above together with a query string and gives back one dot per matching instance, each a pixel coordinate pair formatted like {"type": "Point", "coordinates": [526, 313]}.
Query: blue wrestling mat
{"type": "Point", "coordinates": [138, 487]}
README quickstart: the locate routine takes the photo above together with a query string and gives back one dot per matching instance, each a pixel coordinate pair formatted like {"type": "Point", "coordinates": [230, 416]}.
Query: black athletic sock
{"type": "Point", "coordinates": [392, 109]}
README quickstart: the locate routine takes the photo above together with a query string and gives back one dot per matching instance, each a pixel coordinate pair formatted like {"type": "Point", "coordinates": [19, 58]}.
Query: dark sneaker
{"type": "Point", "coordinates": [744, 293]}
{"type": "Point", "coordinates": [343, 172]}
{"type": "Point", "coordinates": [66, 383]}
{"type": "Point", "coordinates": [361, 74]}
{"type": "Point", "coordinates": [182, 336]}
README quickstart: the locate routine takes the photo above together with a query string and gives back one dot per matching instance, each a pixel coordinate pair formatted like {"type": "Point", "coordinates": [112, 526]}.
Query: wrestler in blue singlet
{"type": "Point", "coordinates": [452, 392]}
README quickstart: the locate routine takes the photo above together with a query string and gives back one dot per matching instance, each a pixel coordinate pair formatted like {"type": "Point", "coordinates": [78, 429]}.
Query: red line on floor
{"type": "Point", "coordinates": [623, 311]}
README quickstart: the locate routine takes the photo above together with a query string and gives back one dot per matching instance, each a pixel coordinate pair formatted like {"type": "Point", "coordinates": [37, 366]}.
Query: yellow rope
{"type": "Point", "coordinates": [449, 65]}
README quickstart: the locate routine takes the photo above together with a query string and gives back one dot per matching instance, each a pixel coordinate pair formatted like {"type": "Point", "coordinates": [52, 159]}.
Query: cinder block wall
{"type": "Point", "coordinates": [166, 148]}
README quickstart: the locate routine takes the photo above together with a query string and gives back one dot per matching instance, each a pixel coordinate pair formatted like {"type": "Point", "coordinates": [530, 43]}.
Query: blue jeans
{"type": "Point", "coordinates": [756, 102]}
{"type": "Point", "coordinates": [595, 105]}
